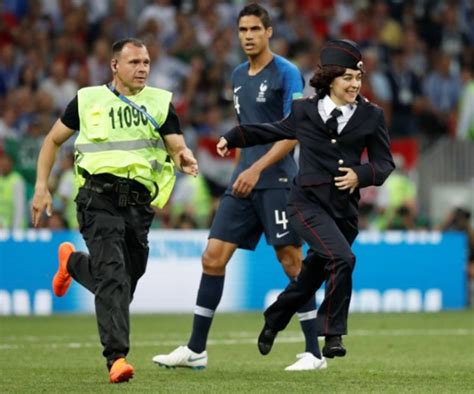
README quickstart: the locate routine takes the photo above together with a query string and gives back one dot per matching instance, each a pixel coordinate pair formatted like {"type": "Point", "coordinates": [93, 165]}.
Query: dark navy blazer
{"type": "Point", "coordinates": [322, 152]}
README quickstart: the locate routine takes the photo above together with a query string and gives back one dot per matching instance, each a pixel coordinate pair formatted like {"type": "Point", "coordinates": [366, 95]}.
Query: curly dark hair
{"type": "Point", "coordinates": [323, 76]}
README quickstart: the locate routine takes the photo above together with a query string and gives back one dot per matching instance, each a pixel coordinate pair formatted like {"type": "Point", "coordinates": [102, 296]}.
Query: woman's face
{"type": "Point", "coordinates": [344, 89]}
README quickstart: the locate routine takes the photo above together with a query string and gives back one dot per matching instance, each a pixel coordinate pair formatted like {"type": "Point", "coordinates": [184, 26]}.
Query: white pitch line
{"type": "Point", "coordinates": [243, 337]}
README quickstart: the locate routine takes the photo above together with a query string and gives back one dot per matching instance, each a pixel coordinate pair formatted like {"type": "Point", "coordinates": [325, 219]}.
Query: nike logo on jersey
{"type": "Point", "coordinates": [281, 235]}
{"type": "Point", "coordinates": [237, 89]}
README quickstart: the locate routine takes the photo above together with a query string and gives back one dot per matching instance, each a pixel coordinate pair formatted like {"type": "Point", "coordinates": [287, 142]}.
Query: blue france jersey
{"type": "Point", "coordinates": [264, 98]}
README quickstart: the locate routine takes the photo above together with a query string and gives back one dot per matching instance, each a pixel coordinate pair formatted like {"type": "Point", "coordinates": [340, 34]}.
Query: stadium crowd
{"type": "Point", "coordinates": [418, 59]}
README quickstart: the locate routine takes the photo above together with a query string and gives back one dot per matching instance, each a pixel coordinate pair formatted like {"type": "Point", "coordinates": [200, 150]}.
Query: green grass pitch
{"type": "Point", "coordinates": [389, 353]}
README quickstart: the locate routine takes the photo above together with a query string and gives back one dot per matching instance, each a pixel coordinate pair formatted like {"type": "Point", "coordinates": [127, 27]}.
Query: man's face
{"type": "Point", "coordinates": [254, 38]}
{"type": "Point", "coordinates": [131, 67]}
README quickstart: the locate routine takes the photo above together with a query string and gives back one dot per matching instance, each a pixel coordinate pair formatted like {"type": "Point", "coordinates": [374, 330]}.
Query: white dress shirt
{"type": "Point", "coordinates": [326, 106]}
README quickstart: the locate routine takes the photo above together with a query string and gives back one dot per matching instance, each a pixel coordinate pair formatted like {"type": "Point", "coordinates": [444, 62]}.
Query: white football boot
{"type": "Point", "coordinates": [182, 357]}
{"type": "Point", "coordinates": [307, 362]}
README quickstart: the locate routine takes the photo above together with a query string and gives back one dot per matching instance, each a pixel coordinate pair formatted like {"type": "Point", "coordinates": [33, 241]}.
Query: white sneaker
{"type": "Point", "coordinates": [182, 357]}
{"type": "Point", "coordinates": [307, 362]}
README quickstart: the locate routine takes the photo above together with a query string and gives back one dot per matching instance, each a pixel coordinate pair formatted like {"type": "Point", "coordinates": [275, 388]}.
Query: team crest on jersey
{"type": "Point", "coordinates": [261, 94]}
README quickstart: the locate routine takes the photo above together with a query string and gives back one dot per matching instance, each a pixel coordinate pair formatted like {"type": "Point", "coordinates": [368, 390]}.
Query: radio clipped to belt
{"type": "Point", "coordinates": [123, 193]}
{"type": "Point", "coordinates": [127, 196]}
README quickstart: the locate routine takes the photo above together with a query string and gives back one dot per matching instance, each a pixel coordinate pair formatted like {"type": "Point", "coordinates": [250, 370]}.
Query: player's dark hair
{"type": "Point", "coordinates": [323, 77]}
{"type": "Point", "coordinates": [258, 11]}
{"type": "Point", "coordinates": [118, 45]}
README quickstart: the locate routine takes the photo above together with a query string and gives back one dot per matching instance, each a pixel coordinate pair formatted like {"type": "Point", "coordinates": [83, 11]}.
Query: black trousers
{"type": "Point", "coordinates": [330, 259]}
{"type": "Point", "coordinates": [117, 239]}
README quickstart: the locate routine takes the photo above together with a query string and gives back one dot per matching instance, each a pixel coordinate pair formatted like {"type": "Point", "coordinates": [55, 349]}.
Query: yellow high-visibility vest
{"type": "Point", "coordinates": [117, 139]}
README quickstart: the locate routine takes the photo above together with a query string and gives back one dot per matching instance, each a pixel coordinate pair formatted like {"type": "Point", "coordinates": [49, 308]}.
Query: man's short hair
{"type": "Point", "coordinates": [118, 45]}
{"type": "Point", "coordinates": [258, 11]}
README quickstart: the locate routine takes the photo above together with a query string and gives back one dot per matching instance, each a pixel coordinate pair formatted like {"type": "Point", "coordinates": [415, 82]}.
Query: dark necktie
{"type": "Point", "coordinates": [331, 123]}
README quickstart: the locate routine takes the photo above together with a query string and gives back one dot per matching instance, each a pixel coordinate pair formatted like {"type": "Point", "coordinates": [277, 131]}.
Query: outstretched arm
{"type": "Point", "coordinates": [182, 156]}
{"type": "Point", "coordinates": [256, 134]}
{"type": "Point", "coordinates": [260, 134]}
{"type": "Point", "coordinates": [42, 198]}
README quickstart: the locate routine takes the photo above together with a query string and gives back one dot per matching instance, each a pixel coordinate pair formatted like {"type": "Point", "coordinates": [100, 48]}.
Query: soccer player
{"type": "Point", "coordinates": [255, 201]}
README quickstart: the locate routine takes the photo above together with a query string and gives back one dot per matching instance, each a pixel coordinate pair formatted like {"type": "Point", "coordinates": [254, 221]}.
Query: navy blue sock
{"type": "Point", "coordinates": [208, 297]}
{"type": "Point", "coordinates": [307, 317]}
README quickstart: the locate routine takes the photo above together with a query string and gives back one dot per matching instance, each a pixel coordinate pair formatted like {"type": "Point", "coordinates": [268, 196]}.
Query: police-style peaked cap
{"type": "Point", "coordinates": [344, 53]}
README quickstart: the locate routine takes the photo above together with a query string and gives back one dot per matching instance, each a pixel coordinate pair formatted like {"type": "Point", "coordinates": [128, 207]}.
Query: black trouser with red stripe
{"type": "Point", "coordinates": [117, 239]}
{"type": "Point", "coordinates": [330, 259]}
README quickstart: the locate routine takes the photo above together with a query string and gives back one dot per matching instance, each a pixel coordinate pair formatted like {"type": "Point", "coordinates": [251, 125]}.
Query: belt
{"type": "Point", "coordinates": [120, 189]}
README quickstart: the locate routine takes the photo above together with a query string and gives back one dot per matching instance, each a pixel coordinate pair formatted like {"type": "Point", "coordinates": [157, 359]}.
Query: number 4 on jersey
{"type": "Point", "coordinates": [281, 219]}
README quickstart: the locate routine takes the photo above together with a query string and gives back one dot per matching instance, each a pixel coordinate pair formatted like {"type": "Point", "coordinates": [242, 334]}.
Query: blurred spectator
{"type": "Point", "coordinates": [396, 200]}
{"type": "Point", "coordinates": [387, 30]}
{"type": "Point", "coordinates": [7, 125]}
{"type": "Point", "coordinates": [207, 20]}
{"type": "Point", "coordinates": [119, 22]}
{"type": "Point", "coordinates": [184, 44]}
{"type": "Point", "coordinates": [403, 219]}
{"type": "Point", "coordinates": [163, 13]}
{"type": "Point", "coordinates": [219, 66]}
{"type": "Point", "coordinates": [344, 12]}
{"type": "Point", "coordinates": [9, 69]}
{"type": "Point", "coordinates": [13, 211]}
{"type": "Point", "coordinates": [216, 170]}
{"type": "Point", "coordinates": [359, 28]}
{"type": "Point", "coordinates": [61, 88]}
{"type": "Point", "coordinates": [166, 72]}
{"type": "Point", "coordinates": [405, 95]}
{"type": "Point", "coordinates": [191, 199]}
{"type": "Point", "coordinates": [320, 13]}
{"type": "Point", "coordinates": [442, 88]}
{"type": "Point", "coordinates": [415, 50]}
{"type": "Point", "coordinates": [22, 100]}
{"type": "Point", "coordinates": [286, 27]}
{"type": "Point", "coordinates": [376, 87]}
{"type": "Point", "coordinates": [44, 109]}
{"type": "Point", "coordinates": [304, 54]}
{"type": "Point", "coordinates": [465, 122]}
{"type": "Point", "coordinates": [28, 77]}
{"type": "Point", "coordinates": [185, 221]}
{"type": "Point", "coordinates": [25, 153]}
{"type": "Point", "coordinates": [453, 39]}
{"type": "Point", "coordinates": [98, 62]}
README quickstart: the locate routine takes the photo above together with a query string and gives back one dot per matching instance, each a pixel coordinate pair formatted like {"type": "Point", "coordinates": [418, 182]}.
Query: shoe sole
{"type": "Point", "coordinates": [306, 369]}
{"type": "Point", "coordinates": [335, 353]}
{"type": "Point", "coordinates": [196, 368]}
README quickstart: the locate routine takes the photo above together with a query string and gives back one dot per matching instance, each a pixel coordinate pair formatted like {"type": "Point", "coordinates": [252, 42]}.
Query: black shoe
{"type": "Point", "coordinates": [266, 339]}
{"type": "Point", "coordinates": [334, 347]}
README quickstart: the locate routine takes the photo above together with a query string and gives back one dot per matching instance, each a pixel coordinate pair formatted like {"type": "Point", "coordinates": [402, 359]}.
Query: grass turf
{"type": "Point", "coordinates": [392, 353]}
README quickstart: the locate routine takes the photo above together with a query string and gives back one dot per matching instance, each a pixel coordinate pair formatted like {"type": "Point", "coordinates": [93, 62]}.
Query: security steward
{"type": "Point", "coordinates": [127, 133]}
{"type": "Point", "coordinates": [334, 127]}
